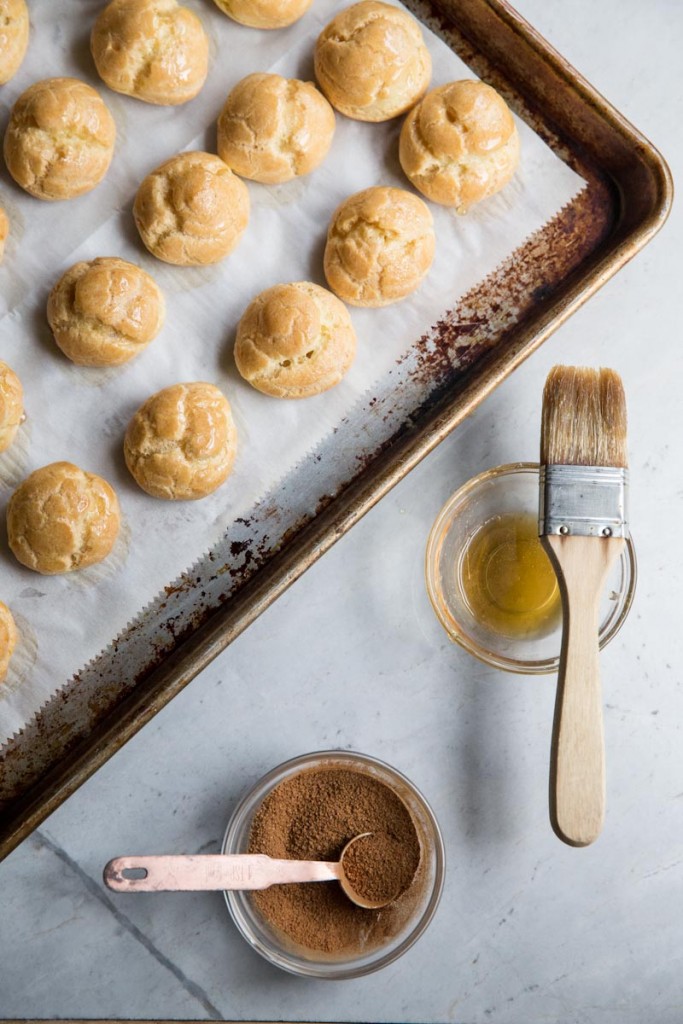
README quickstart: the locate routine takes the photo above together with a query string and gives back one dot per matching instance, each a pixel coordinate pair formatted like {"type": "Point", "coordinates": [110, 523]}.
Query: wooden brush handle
{"type": "Point", "coordinates": [577, 760]}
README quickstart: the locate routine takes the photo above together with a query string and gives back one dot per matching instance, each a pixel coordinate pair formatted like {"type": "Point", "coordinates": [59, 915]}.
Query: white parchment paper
{"type": "Point", "coordinates": [81, 414]}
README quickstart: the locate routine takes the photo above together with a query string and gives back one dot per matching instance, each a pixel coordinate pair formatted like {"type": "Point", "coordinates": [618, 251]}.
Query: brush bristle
{"type": "Point", "coordinates": [584, 418]}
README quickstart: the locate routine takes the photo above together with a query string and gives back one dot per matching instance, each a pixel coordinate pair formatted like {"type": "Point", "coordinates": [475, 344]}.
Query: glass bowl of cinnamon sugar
{"type": "Point", "coordinates": [309, 808]}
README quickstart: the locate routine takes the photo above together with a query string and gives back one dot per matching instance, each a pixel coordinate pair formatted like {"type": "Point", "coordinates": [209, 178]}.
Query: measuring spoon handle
{"type": "Point", "coordinates": [212, 872]}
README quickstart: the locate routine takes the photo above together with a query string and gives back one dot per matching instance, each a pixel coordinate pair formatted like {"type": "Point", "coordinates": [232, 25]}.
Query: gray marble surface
{"type": "Point", "coordinates": [528, 930]}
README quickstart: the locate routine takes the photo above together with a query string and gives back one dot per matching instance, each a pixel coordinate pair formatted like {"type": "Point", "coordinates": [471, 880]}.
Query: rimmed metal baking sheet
{"type": "Point", "coordinates": [451, 368]}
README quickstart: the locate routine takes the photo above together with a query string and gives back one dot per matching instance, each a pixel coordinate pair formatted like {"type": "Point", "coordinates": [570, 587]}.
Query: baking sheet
{"type": "Point", "coordinates": [81, 414]}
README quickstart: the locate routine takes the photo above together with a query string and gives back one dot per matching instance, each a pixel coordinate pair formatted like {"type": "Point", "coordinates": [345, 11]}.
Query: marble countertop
{"type": "Point", "coordinates": [528, 929]}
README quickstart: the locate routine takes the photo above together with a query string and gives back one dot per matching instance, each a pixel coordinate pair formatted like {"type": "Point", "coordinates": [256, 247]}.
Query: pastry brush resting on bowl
{"type": "Point", "coordinates": [479, 554]}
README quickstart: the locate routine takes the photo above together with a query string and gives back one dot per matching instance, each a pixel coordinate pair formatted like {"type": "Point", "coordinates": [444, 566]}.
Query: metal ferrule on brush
{"type": "Point", "coordinates": [583, 501]}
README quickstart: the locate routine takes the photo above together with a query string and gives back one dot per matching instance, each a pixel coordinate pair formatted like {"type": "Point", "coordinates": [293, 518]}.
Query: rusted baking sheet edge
{"type": "Point", "coordinates": [549, 94]}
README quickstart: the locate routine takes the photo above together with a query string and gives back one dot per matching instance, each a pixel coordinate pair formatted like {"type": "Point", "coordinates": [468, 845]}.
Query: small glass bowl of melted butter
{"type": "Point", "coordinates": [491, 583]}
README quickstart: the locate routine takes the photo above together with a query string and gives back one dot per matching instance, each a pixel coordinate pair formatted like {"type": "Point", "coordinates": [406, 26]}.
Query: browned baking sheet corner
{"type": "Point", "coordinates": [626, 201]}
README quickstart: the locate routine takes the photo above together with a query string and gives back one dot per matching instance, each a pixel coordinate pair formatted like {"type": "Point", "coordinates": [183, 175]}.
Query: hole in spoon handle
{"type": "Point", "coordinates": [134, 873]}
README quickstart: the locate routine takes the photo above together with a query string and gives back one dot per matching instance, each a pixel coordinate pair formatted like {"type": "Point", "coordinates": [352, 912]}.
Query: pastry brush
{"type": "Point", "coordinates": [583, 526]}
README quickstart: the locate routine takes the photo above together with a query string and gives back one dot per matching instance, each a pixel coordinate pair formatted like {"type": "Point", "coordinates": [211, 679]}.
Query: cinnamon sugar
{"type": "Point", "coordinates": [312, 816]}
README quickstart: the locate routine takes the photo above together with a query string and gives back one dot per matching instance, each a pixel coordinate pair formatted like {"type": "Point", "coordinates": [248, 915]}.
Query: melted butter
{"type": "Point", "coordinates": [507, 579]}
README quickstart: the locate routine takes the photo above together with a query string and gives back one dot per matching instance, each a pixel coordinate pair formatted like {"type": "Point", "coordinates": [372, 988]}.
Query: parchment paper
{"type": "Point", "coordinates": [81, 414]}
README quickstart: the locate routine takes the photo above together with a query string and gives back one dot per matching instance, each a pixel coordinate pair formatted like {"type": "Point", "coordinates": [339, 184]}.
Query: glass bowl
{"type": "Point", "coordinates": [510, 489]}
{"type": "Point", "coordinates": [278, 948]}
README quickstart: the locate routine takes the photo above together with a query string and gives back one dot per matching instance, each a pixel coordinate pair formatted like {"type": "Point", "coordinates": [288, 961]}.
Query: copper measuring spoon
{"type": "Point", "coordinates": [204, 872]}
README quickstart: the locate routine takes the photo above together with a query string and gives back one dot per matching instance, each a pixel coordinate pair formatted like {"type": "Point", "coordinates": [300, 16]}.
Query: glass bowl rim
{"type": "Point", "coordinates": [323, 969]}
{"type": "Point", "coordinates": [541, 666]}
